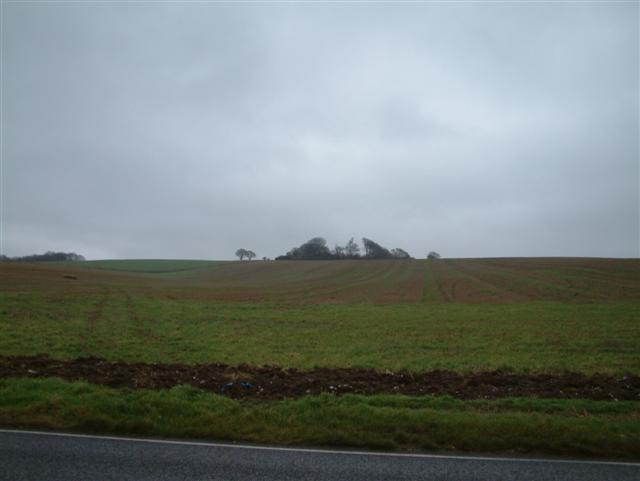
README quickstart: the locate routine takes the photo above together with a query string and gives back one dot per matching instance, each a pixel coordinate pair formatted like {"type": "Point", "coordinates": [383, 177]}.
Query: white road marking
{"type": "Point", "coordinates": [317, 451]}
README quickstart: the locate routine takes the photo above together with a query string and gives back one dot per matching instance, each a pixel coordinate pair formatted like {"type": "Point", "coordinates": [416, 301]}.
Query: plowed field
{"type": "Point", "coordinates": [445, 280]}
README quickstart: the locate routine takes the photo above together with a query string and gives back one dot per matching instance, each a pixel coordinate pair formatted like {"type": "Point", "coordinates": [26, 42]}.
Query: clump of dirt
{"type": "Point", "coordinates": [245, 381]}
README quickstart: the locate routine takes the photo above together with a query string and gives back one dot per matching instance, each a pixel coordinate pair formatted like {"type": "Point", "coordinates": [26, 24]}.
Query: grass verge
{"type": "Point", "coordinates": [512, 426]}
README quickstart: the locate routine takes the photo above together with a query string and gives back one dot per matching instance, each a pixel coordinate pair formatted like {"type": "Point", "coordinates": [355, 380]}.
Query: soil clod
{"type": "Point", "coordinates": [273, 383]}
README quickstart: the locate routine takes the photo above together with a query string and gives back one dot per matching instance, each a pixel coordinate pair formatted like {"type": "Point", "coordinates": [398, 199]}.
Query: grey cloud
{"type": "Point", "coordinates": [188, 130]}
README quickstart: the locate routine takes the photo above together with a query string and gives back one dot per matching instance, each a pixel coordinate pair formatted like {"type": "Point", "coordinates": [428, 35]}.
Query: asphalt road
{"type": "Point", "coordinates": [38, 456]}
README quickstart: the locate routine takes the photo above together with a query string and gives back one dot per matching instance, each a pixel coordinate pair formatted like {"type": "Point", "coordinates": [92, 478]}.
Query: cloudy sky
{"type": "Point", "coordinates": [187, 130]}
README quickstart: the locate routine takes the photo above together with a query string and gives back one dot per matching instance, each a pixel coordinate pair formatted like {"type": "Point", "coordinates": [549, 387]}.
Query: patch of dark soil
{"type": "Point", "coordinates": [244, 381]}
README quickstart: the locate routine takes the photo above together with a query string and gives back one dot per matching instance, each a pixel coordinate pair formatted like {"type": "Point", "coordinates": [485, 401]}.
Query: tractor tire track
{"type": "Point", "coordinates": [504, 293]}
{"type": "Point", "coordinates": [138, 323]}
{"type": "Point", "coordinates": [92, 320]}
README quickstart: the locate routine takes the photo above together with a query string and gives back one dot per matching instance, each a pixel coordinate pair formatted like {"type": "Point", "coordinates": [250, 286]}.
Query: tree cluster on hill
{"type": "Point", "coordinates": [317, 249]}
{"type": "Point", "coordinates": [48, 256]}
{"type": "Point", "coordinates": [242, 253]}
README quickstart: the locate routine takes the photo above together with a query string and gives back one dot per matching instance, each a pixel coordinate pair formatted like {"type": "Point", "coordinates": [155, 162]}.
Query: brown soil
{"type": "Point", "coordinates": [495, 280]}
{"type": "Point", "coordinates": [246, 381]}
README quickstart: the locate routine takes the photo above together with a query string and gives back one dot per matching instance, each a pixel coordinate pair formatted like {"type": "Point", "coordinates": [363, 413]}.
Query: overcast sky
{"type": "Point", "coordinates": [188, 130]}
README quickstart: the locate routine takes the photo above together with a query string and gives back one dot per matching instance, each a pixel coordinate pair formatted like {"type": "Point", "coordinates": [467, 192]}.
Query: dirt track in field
{"type": "Point", "coordinates": [272, 383]}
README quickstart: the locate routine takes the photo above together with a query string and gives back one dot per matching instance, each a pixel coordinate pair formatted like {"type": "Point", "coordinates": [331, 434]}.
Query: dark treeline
{"type": "Point", "coordinates": [317, 249]}
{"type": "Point", "coordinates": [46, 257]}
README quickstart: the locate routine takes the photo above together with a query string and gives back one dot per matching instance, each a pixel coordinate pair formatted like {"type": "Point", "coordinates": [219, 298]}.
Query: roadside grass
{"type": "Point", "coordinates": [511, 426]}
{"type": "Point", "coordinates": [140, 326]}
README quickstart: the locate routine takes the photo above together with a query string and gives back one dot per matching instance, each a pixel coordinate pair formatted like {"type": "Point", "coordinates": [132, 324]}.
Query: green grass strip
{"type": "Point", "coordinates": [515, 426]}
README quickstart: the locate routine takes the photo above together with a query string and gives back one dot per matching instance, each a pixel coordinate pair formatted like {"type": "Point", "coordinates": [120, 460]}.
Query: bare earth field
{"type": "Point", "coordinates": [536, 340]}
{"type": "Point", "coordinates": [445, 280]}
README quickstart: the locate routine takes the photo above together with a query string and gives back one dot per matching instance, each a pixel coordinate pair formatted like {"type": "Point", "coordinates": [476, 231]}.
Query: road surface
{"type": "Point", "coordinates": [39, 456]}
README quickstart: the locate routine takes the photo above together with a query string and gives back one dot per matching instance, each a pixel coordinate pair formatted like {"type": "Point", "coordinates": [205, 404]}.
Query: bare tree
{"type": "Point", "coordinates": [352, 249]}
{"type": "Point", "coordinates": [250, 254]}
